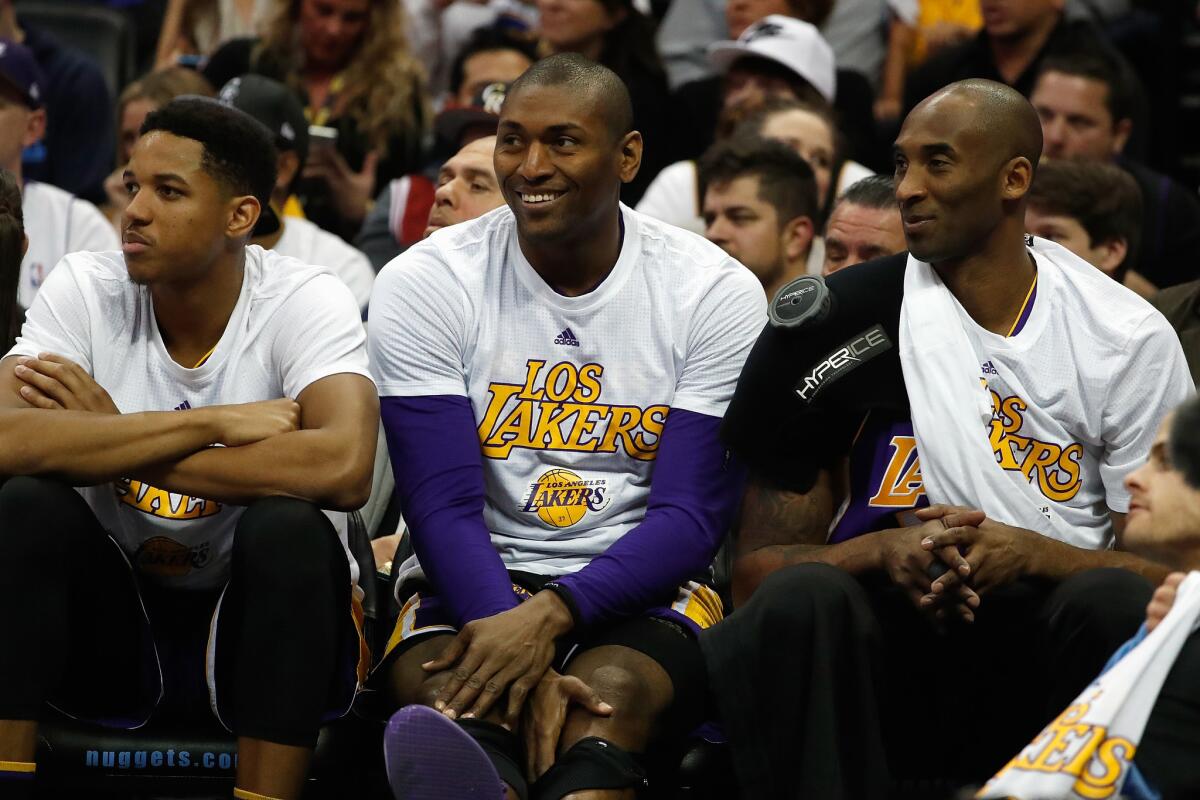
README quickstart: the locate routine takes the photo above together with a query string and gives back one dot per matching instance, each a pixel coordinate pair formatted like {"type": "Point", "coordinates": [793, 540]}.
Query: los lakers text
{"type": "Point", "coordinates": [558, 408]}
{"type": "Point", "coordinates": [1054, 469]}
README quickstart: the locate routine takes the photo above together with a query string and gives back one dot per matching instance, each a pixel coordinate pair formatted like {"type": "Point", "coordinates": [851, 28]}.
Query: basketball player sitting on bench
{"type": "Point", "coordinates": [553, 377]}
{"type": "Point", "coordinates": [159, 379]}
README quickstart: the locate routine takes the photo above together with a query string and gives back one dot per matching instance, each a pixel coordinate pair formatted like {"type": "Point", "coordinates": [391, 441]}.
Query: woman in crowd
{"type": "Point", "coordinates": [806, 127]}
{"type": "Point", "coordinates": [196, 28]}
{"type": "Point", "coordinates": [146, 94]}
{"type": "Point", "coordinates": [349, 62]}
{"type": "Point", "coordinates": [615, 34]}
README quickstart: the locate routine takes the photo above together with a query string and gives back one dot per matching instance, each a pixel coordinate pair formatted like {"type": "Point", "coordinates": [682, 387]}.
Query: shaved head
{"type": "Point", "coordinates": [998, 112]}
{"type": "Point", "coordinates": [965, 159]}
{"type": "Point", "coordinates": [606, 93]}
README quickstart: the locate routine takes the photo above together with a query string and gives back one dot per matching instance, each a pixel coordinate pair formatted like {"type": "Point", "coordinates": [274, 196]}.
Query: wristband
{"type": "Point", "coordinates": [568, 599]}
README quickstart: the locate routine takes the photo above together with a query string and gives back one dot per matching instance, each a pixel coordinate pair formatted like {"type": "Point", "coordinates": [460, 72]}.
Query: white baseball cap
{"type": "Point", "coordinates": [794, 43]}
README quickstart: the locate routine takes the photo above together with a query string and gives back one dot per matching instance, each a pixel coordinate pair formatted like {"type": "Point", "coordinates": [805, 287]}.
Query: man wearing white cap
{"type": "Point", "coordinates": [783, 49]}
{"type": "Point", "coordinates": [776, 58]}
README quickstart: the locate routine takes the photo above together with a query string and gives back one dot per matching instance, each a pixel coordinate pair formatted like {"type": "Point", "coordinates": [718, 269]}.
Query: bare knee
{"type": "Point", "coordinates": [637, 688]}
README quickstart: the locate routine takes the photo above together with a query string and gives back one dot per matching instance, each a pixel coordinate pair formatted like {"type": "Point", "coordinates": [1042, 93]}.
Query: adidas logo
{"type": "Point", "coordinates": [567, 338]}
{"type": "Point", "coordinates": [184, 406]}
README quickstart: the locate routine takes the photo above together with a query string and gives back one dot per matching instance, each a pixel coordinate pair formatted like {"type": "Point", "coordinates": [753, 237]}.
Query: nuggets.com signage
{"type": "Point", "coordinates": [157, 759]}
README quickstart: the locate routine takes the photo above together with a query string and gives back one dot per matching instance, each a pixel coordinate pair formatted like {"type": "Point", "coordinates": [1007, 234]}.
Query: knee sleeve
{"type": "Point", "coordinates": [591, 763]}
{"type": "Point", "coordinates": [282, 618]}
{"type": "Point", "coordinates": [503, 749]}
{"type": "Point", "coordinates": [288, 540]}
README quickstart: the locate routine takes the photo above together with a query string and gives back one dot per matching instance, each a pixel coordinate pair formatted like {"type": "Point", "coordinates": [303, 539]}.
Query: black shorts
{"type": "Point", "coordinates": [667, 634]}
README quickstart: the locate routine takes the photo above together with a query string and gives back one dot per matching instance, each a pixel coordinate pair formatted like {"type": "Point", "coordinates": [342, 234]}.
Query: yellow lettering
{"type": "Point", "coordinates": [501, 393]}
{"type": "Point", "coordinates": [623, 420]}
{"type": "Point", "coordinates": [1111, 757]}
{"type": "Point", "coordinates": [901, 485]}
{"type": "Point", "coordinates": [653, 420]}
{"type": "Point", "coordinates": [557, 392]}
{"type": "Point", "coordinates": [532, 368]}
{"type": "Point", "coordinates": [514, 431]}
{"type": "Point", "coordinates": [589, 383]}
{"type": "Point", "coordinates": [549, 427]}
{"type": "Point", "coordinates": [585, 424]}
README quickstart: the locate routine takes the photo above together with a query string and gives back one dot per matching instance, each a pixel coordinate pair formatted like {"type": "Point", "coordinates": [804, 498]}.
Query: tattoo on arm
{"type": "Point", "coordinates": [772, 516]}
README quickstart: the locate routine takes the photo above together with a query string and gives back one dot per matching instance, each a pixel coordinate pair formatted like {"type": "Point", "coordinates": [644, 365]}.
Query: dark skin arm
{"type": "Point", "coordinates": [999, 554]}
{"type": "Point", "coordinates": [79, 446]}
{"type": "Point", "coordinates": [786, 528]}
{"type": "Point", "coordinates": [327, 462]}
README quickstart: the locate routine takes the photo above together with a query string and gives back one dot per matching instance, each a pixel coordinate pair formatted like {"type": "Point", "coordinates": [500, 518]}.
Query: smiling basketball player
{"type": "Point", "coordinates": [553, 377]}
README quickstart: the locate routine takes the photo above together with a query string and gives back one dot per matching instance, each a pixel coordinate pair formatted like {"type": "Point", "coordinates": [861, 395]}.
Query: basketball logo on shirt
{"type": "Point", "coordinates": [161, 503]}
{"type": "Point", "coordinates": [1054, 469]}
{"type": "Point", "coordinates": [166, 558]}
{"type": "Point", "coordinates": [562, 499]}
{"type": "Point", "coordinates": [556, 408]}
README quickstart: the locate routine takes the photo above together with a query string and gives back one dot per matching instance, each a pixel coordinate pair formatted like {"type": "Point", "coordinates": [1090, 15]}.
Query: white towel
{"type": "Point", "coordinates": [952, 409]}
{"type": "Point", "coordinates": [1086, 752]}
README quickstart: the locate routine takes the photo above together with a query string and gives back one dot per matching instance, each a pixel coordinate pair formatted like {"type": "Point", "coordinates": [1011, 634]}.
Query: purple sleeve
{"type": "Point", "coordinates": [693, 496]}
{"type": "Point", "coordinates": [439, 476]}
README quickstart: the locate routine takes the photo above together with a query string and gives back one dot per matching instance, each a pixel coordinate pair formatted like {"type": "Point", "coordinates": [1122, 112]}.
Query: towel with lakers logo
{"type": "Point", "coordinates": [1087, 752]}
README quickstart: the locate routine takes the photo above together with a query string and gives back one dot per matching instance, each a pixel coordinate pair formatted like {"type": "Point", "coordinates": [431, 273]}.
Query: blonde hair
{"type": "Point", "coordinates": [383, 82]}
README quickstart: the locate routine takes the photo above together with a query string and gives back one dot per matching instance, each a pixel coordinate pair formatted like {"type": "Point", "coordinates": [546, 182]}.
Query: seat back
{"type": "Point", "coordinates": [101, 33]}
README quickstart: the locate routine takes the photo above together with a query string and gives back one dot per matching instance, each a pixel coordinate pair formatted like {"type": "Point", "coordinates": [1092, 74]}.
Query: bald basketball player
{"type": "Point", "coordinates": [897, 639]}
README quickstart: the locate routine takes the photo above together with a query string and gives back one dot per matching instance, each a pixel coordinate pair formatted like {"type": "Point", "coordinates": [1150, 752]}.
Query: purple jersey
{"type": "Point", "coordinates": [885, 478]}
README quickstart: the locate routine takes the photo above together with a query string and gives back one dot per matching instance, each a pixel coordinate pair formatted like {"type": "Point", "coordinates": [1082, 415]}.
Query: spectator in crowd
{"type": "Point", "coordinates": [556, 293]}
{"type": "Point", "coordinates": [349, 63]}
{"type": "Point", "coordinates": [1164, 524]}
{"type": "Point", "coordinates": [1181, 306]}
{"type": "Point", "coordinates": [277, 108]}
{"type": "Point", "coordinates": [863, 225]}
{"type": "Point", "coordinates": [401, 214]}
{"type": "Point", "coordinates": [993, 586]}
{"type": "Point", "coordinates": [918, 29]}
{"type": "Point", "coordinates": [466, 186]}
{"type": "Point", "coordinates": [777, 55]}
{"type": "Point", "coordinates": [853, 28]}
{"type": "Point", "coordinates": [807, 128]}
{"type": "Point", "coordinates": [760, 200]}
{"type": "Point", "coordinates": [13, 244]}
{"type": "Point", "coordinates": [439, 31]}
{"type": "Point", "coordinates": [810, 131]}
{"type": "Point", "coordinates": [1016, 36]}
{"type": "Point", "coordinates": [1092, 209]}
{"type": "Point", "coordinates": [788, 62]}
{"type": "Point", "coordinates": [146, 94]}
{"type": "Point", "coordinates": [1086, 107]}
{"type": "Point", "coordinates": [195, 28]}
{"type": "Point", "coordinates": [492, 55]}
{"type": "Point", "coordinates": [617, 35]}
{"type": "Point", "coordinates": [76, 151]}
{"type": "Point", "coordinates": [57, 222]}
{"type": "Point", "coordinates": [131, 365]}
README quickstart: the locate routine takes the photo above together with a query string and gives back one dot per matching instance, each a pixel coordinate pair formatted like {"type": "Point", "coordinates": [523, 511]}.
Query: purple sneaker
{"type": "Point", "coordinates": [429, 757]}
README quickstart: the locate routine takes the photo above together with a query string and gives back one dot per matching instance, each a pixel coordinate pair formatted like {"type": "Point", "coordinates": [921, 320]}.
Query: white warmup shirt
{"type": "Point", "coordinates": [570, 394]}
{"type": "Point", "coordinates": [1078, 394]}
{"type": "Point", "coordinates": [309, 244]}
{"type": "Point", "coordinates": [292, 326]}
{"type": "Point", "coordinates": [57, 223]}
